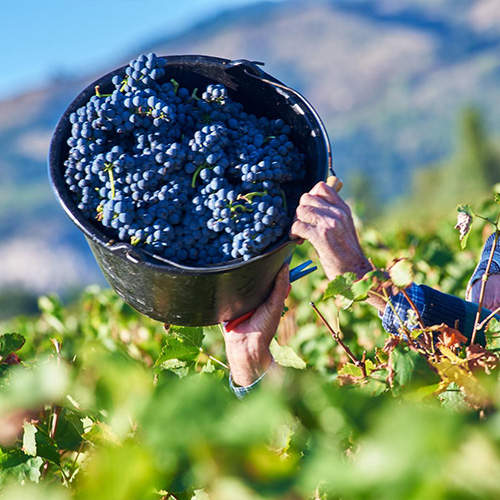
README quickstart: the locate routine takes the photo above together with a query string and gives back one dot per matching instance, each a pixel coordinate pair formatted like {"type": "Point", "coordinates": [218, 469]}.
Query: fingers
{"type": "Point", "coordinates": [326, 192]}
{"type": "Point", "coordinates": [280, 290]}
{"type": "Point", "coordinates": [301, 230]}
{"type": "Point", "coordinates": [321, 203]}
{"type": "Point", "coordinates": [317, 215]}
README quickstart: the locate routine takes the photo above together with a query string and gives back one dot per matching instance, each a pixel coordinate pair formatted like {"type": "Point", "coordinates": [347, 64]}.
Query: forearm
{"type": "Point", "coordinates": [247, 363]}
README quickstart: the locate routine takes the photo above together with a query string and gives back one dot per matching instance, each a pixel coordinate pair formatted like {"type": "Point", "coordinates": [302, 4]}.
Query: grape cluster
{"type": "Point", "coordinates": [196, 180]}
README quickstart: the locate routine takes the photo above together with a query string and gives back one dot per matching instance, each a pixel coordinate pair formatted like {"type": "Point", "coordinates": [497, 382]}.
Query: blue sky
{"type": "Point", "coordinates": [43, 38]}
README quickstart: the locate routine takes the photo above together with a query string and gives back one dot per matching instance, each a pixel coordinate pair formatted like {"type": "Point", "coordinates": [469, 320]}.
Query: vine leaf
{"type": "Point", "coordinates": [9, 343]}
{"type": "Point", "coordinates": [101, 434]}
{"type": "Point", "coordinates": [401, 273]}
{"type": "Point", "coordinates": [284, 355]}
{"type": "Point", "coordinates": [29, 441]}
{"type": "Point", "coordinates": [349, 289]}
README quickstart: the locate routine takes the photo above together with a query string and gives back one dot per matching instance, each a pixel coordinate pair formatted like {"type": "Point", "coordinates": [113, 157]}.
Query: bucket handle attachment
{"type": "Point", "coordinates": [259, 74]}
{"type": "Point", "coordinates": [253, 66]}
{"type": "Point", "coordinates": [130, 253]}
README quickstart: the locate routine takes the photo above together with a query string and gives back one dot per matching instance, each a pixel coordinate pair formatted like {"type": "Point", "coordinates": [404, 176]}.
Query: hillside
{"type": "Point", "coordinates": [388, 80]}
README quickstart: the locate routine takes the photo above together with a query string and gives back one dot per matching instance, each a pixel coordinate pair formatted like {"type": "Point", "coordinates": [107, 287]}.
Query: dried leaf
{"type": "Point", "coordinates": [479, 358]}
{"type": "Point", "coordinates": [391, 343]}
{"type": "Point", "coordinates": [465, 218]}
{"type": "Point", "coordinates": [454, 369]}
{"type": "Point", "coordinates": [349, 379]}
{"type": "Point", "coordinates": [450, 337]}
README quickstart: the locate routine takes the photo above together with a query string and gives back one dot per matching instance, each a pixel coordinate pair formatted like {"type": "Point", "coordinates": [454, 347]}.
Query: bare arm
{"type": "Point", "coordinates": [325, 220]}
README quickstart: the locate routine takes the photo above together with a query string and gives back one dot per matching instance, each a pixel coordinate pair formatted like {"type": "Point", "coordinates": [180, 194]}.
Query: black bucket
{"type": "Point", "coordinates": [198, 296]}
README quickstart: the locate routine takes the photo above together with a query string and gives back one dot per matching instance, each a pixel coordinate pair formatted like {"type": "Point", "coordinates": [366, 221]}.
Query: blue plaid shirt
{"type": "Point", "coordinates": [241, 392]}
{"type": "Point", "coordinates": [401, 311]}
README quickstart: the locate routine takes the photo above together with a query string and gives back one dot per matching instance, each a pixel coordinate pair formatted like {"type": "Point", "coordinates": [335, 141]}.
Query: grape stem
{"type": "Point", "coordinates": [98, 92]}
{"type": "Point", "coordinates": [250, 196]}
{"type": "Point", "coordinates": [195, 175]}
{"type": "Point", "coordinates": [194, 97]}
{"type": "Point", "coordinates": [109, 169]}
{"type": "Point", "coordinates": [175, 84]}
{"type": "Point", "coordinates": [360, 364]}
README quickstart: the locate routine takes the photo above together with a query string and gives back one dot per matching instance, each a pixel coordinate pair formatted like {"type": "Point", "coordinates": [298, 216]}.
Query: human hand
{"type": "Point", "coordinates": [325, 220]}
{"type": "Point", "coordinates": [491, 299]}
{"type": "Point", "coordinates": [247, 345]}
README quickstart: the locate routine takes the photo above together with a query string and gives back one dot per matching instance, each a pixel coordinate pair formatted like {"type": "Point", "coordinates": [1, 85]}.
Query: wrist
{"type": "Point", "coordinates": [246, 367]}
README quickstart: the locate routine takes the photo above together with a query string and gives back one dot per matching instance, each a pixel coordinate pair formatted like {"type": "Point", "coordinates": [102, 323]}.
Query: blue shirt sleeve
{"type": "Point", "coordinates": [241, 391]}
{"type": "Point", "coordinates": [401, 311]}
{"type": "Point", "coordinates": [483, 262]}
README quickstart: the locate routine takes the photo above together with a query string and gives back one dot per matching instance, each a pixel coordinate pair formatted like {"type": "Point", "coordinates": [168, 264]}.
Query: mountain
{"type": "Point", "coordinates": [388, 78]}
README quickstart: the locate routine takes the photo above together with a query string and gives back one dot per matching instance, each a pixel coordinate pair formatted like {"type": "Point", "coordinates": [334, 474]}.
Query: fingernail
{"type": "Point", "coordinates": [288, 290]}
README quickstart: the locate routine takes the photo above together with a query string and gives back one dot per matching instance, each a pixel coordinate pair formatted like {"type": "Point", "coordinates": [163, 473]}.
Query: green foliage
{"type": "Point", "coordinates": [99, 402]}
{"type": "Point", "coordinates": [9, 343]}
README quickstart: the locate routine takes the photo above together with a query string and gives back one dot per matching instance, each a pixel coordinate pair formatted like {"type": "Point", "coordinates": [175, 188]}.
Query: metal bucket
{"type": "Point", "coordinates": [198, 296]}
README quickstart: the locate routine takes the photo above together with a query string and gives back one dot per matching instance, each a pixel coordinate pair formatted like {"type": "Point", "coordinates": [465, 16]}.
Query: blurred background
{"type": "Point", "coordinates": [409, 92]}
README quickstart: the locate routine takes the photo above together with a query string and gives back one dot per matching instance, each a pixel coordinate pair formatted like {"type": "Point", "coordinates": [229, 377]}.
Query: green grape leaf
{"type": "Point", "coordinates": [194, 334]}
{"type": "Point", "coordinates": [355, 371]}
{"type": "Point", "coordinates": [69, 431]}
{"type": "Point", "coordinates": [9, 343]}
{"type": "Point", "coordinates": [341, 285]}
{"type": "Point", "coordinates": [284, 355]}
{"type": "Point", "coordinates": [401, 273]}
{"type": "Point", "coordinates": [351, 369]}
{"type": "Point", "coordinates": [411, 369]}
{"type": "Point", "coordinates": [101, 434]}
{"type": "Point", "coordinates": [349, 288]}
{"type": "Point", "coordinates": [20, 467]}
{"type": "Point", "coordinates": [29, 441]}
{"type": "Point", "coordinates": [182, 349]}
{"type": "Point", "coordinates": [46, 448]}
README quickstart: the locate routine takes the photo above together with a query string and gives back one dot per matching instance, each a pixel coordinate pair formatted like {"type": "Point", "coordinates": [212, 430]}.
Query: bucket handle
{"type": "Point", "coordinates": [258, 73]}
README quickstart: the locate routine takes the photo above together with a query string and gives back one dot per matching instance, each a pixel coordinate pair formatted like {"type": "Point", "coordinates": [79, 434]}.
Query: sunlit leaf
{"type": "Point", "coordinates": [188, 333]}
{"type": "Point", "coordinates": [200, 494]}
{"type": "Point", "coordinates": [9, 343]}
{"type": "Point", "coordinates": [179, 348]}
{"type": "Point", "coordinates": [101, 434]}
{"type": "Point", "coordinates": [18, 466]}
{"type": "Point", "coordinates": [341, 285]}
{"type": "Point", "coordinates": [348, 288]}
{"type": "Point", "coordinates": [29, 441]}
{"type": "Point", "coordinates": [401, 273]}
{"type": "Point", "coordinates": [351, 369]}
{"type": "Point", "coordinates": [284, 355]}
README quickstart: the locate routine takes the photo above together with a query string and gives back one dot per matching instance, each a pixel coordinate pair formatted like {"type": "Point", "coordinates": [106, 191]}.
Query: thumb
{"type": "Point", "coordinates": [280, 291]}
{"type": "Point", "coordinates": [269, 313]}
